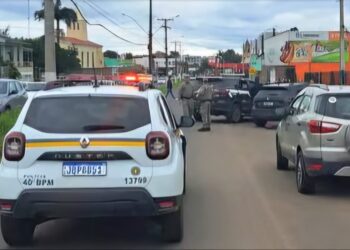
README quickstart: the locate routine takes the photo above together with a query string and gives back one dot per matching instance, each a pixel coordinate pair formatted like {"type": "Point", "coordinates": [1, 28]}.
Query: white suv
{"type": "Point", "coordinates": [80, 152]}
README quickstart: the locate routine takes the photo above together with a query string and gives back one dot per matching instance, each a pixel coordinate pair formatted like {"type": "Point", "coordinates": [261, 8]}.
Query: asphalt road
{"type": "Point", "coordinates": [235, 199]}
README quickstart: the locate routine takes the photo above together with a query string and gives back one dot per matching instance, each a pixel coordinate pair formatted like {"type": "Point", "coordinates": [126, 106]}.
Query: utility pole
{"type": "Point", "coordinates": [166, 27]}
{"type": "Point", "coordinates": [50, 50]}
{"type": "Point", "coordinates": [342, 44]}
{"type": "Point", "coordinates": [175, 43]}
{"type": "Point", "coordinates": [150, 45]}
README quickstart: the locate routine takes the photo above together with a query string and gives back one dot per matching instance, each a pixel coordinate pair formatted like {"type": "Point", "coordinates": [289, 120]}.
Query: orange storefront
{"type": "Point", "coordinates": [324, 66]}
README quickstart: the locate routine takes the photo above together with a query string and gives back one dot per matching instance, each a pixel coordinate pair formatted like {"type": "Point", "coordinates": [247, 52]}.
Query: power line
{"type": "Point", "coordinates": [98, 9]}
{"type": "Point", "coordinates": [104, 27]}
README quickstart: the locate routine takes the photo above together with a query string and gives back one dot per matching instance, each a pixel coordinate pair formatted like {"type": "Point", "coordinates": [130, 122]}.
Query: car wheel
{"type": "Point", "coordinates": [305, 184]}
{"type": "Point", "coordinates": [172, 226]}
{"type": "Point", "coordinates": [282, 162]}
{"type": "Point", "coordinates": [260, 123]}
{"type": "Point", "coordinates": [17, 232]}
{"type": "Point", "coordinates": [235, 115]}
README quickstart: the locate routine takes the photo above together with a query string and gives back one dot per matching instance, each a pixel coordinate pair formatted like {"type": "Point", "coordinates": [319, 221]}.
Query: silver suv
{"type": "Point", "coordinates": [12, 94]}
{"type": "Point", "coordinates": [315, 135]}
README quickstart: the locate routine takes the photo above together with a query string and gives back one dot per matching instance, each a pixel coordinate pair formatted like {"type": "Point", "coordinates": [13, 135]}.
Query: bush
{"type": "Point", "coordinates": [7, 120]}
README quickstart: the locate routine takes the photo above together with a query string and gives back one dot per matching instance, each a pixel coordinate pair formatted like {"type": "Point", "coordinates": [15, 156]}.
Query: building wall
{"type": "Point", "coordinates": [85, 54]}
{"type": "Point", "coordinates": [78, 30]}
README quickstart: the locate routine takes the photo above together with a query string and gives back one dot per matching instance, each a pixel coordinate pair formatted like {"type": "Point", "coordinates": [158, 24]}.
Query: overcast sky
{"type": "Point", "coordinates": [204, 26]}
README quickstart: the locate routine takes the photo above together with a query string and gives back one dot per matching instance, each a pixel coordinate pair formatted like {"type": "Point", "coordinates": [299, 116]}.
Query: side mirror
{"type": "Point", "coordinates": [13, 92]}
{"type": "Point", "coordinates": [186, 122]}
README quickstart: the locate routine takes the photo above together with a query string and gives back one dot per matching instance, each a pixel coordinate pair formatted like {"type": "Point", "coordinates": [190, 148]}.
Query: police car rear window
{"type": "Point", "coordinates": [88, 114]}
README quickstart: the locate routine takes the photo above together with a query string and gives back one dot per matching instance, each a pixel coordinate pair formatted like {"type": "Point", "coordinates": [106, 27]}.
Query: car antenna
{"type": "Point", "coordinates": [95, 76]}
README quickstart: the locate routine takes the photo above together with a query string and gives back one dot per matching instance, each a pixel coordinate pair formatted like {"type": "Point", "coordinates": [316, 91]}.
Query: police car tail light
{"type": "Point", "coordinates": [157, 145]}
{"type": "Point", "coordinates": [14, 146]}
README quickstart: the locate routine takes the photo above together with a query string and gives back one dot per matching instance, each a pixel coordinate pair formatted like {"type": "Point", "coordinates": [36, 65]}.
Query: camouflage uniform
{"type": "Point", "coordinates": [205, 95]}
{"type": "Point", "coordinates": [186, 95]}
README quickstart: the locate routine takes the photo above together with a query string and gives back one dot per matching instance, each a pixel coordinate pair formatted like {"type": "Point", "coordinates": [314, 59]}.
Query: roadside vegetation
{"type": "Point", "coordinates": [7, 120]}
{"type": "Point", "coordinates": [176, 85]}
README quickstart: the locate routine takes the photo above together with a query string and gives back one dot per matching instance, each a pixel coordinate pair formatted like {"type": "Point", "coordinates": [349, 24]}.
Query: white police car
{"type": "Point", "coordinates": [80, 152]}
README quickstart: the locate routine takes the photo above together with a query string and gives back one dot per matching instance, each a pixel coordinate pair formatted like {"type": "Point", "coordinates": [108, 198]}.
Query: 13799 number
{"type": "Point", "coordinates": [135, 180]}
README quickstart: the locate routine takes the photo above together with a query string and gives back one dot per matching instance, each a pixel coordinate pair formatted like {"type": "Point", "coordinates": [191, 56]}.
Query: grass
{"type": "Point", "coordinates": [176, 85]}
{"type": "Point", "coordinates": [7, 120]}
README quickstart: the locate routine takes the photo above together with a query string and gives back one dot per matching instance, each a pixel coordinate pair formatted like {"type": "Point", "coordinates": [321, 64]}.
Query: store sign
{"type": "Point", "coordinates": [252, 71]}
{"type": "Point", "coordinates": [255, 62]}
{"type": "Point", "coordinates": [312, 51]}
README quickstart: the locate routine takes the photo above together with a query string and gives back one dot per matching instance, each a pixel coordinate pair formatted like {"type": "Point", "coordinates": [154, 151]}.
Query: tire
{"type": "Point", "coordinates": [235, 115]}
{"type": "Point", "coordinates": [305, 184]}
{"type": "Point", "coordinates": [282, 162]}
{"type": "Point", "coordinates": [172, 226]}
{"type": "Point", "coordinates": [260, 123]}
{"type": "Point", "coordinates": [17, 232]}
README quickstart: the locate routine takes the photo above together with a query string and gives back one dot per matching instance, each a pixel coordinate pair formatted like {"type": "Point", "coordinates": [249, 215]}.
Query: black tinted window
{"type": "Point", "coordinates": [3, 87]}
{"type": "Point", "coordinates": [337, 106]}
{"type": "Point", "coordinates": [88, 114]}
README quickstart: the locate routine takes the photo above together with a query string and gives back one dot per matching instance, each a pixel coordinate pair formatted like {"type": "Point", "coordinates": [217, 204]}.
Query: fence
{"type": "Point", "coordinates": [330, 78]}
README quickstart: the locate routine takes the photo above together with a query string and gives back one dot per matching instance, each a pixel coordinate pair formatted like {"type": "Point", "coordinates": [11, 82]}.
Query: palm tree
{"type": "Point", "coordinates": [67, 15]}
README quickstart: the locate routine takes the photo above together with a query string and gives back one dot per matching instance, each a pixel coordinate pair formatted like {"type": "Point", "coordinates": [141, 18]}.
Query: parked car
{"type": "Point", "coordinates": [12, 94]}
{"type": "Point", "coordinates": [271, 101]}
{"type": "Point", "coordinates": [232, 97]}
{"type": "Point", "coordinates": [88, 152]}
{"type": "Point", "coordinates": [314, 135]}
{"type": "Point", "coordinates": [35, 86]}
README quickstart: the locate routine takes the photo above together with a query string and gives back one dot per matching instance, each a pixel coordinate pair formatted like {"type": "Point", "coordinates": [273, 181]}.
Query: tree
{"type": "Point", "coordinates": [230, 56]}
{"type": "Point", "coordinates": [67, 60]}
{"type": "Point", "coordinates": [5, 32]}
{"type": "Point", "coordinates": [204, 65]}
{"type": "Point", "coordinates": [13, 72]}
{"type": "Point", "coordinates": [174, 54]}
{"type": "Point", "coordinates": [67, 15]}
{"type": "Point", "coordinates": [128, 56]}
{"type": "Point", "coordinates": [111, 54]}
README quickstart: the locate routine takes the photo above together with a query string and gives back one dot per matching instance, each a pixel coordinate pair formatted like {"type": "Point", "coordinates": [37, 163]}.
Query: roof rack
{"type": "Point", "coordinates": [67, 83]}
{"type": "Point", "coordinates": [320, 86]}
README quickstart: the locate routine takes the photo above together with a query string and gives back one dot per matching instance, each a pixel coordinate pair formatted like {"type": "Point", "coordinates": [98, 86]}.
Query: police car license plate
{"type": "Point", "coordinates": [84, 169]}
{"type": "Point", "coordinates": [268, 104]}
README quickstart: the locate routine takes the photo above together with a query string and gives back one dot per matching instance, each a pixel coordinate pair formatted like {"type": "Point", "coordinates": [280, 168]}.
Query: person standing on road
{"type": "Point", "coordinates": [186, 95]}
{"type": "Point", "coordinates": [205, 95]}
{"type": "Point", "coordinates": [169, 86]}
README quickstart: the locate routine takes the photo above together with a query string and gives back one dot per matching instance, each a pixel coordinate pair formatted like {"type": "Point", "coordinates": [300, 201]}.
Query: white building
{"type": "Point", "coordinates": [20, 54]}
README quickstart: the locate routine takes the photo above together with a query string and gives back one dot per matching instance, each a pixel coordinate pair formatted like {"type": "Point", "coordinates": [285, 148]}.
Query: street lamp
{"type": "Point", "coordinates": [135, 21]}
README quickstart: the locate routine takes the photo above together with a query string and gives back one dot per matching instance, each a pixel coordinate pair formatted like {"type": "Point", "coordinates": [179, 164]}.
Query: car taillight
{"type": "Point", "coordinates": [157, 145]}
{"type": "Point", "coordinates": [321, 127]}
{"type": "Point", "coordinates": [14, 146]}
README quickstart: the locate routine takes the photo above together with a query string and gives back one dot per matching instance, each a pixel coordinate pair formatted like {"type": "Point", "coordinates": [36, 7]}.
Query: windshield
{"type": "Point", "coordinates": [70, 115]}
{"type": "Point", "coordinates": [3, 88]}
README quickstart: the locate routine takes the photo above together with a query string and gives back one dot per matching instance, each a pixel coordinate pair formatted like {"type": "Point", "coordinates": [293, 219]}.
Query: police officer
{"type": "Point", "coordinates": [205, 95]}
{"type": "Point", "coordinates": [186, 95]}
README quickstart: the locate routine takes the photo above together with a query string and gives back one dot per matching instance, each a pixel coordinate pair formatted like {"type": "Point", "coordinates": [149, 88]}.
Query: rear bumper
{"type": "Point", "coordinates": [265, 114]}
{"type": "Point", "coordinates": [87, 203]}
{"type": "Point", "coordinates": [326, 168]}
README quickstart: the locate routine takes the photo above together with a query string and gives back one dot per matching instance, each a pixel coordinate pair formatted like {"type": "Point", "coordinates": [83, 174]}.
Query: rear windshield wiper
{"type": "Point", "coordinates": [102, 127]}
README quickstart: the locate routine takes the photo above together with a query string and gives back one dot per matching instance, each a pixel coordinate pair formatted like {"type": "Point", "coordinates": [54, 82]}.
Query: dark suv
{"type": "Point", "coordinates": [232, 97]}
{"type": "Point", "coordinates": [271, 101]}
